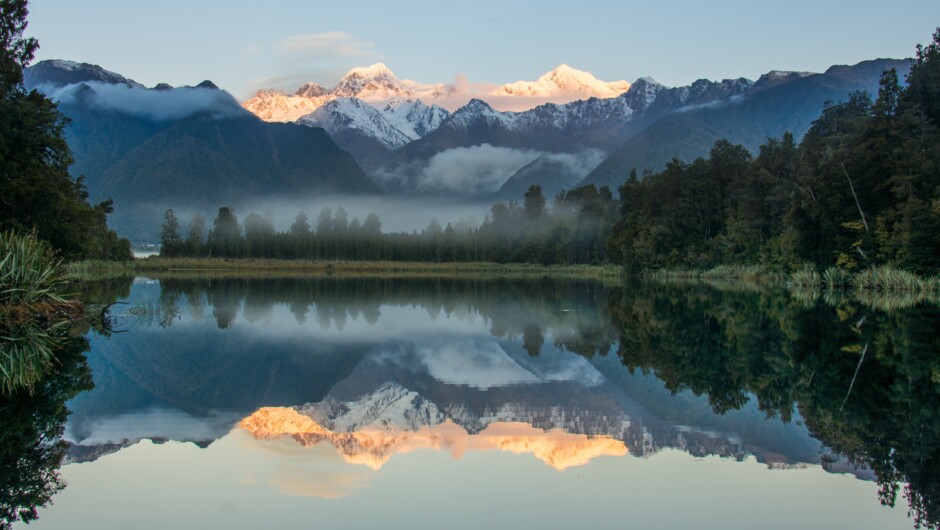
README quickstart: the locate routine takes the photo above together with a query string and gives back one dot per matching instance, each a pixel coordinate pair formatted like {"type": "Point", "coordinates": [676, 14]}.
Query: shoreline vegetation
{"type": "Point", "coordinates": [249, 266]}
{"type": "Point", "coordinates": [806, 277]}
{"type": "Point", "coordinates": [31, 280]}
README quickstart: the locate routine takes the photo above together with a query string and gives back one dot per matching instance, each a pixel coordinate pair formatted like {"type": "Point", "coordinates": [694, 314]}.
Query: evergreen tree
{"type": "Point", "coordinates": [225, 239]}
{"type": "Point", "coordinates": [534, 204]}
{"type": "Point", "coordinates": [300, 227]}
{"type": "Point", "coordinates": [171, 244]}
{"type": "Point", "coordinates": [196, 237]}
{"type": "Point", "coordinates": [325, 222]}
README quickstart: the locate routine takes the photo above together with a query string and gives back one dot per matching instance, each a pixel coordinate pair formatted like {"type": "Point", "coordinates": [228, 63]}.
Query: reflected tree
{"type": "Point", "coordinates": [31, 445]}
{"type": "Point", "coordinates": [866, 381]}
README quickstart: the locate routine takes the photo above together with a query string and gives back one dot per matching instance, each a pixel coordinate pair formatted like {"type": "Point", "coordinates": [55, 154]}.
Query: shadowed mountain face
{"type": "Point", "coordinates": [644, 127]}
{"type": "Point", "coordinates": [189, 147]}
{"type": "Point", "coordinates": [776, 105]}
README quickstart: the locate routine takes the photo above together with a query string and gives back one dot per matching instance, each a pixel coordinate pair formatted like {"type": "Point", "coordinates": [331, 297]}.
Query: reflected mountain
{"type": "Point", "coordinates": [560, 407]}
{"type": "Point", "coordinates": [374, 445]}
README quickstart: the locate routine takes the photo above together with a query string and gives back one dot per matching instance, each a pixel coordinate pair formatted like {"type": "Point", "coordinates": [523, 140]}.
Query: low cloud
{"type": "Point", "coordinates": [462, 171]}
{"type": "Point", "coordinates": [325, 46]}
{"type": "Point", "coordinates": [580, 163]}
{"type": "Point", "coordinates": [157, 105]}
{"type": "Point", "coordinates": [718, 103]}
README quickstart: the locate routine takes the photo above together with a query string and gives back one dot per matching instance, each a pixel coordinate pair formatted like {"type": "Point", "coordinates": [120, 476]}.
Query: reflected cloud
{"type": "Point", "coordinates": [476, 363]}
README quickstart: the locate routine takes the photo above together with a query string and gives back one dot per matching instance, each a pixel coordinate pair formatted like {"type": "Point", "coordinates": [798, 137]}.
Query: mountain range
{"type": "Point", "coordinates": [640, 126]}
{"type": "Point", "coordinates": [198, 148]}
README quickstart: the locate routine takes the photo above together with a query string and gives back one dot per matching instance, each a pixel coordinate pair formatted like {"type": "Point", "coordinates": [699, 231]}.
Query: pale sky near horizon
{"type": "Point", "coordinates": [244, 46]}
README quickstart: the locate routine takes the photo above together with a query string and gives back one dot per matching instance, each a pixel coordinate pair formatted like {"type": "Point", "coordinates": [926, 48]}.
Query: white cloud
{"type": "Point", "coordinates": [473, 170]}
{"type": "Point", "coordinates": [327, 45]}
{"type": "Point", "coordinates": [159, 105]}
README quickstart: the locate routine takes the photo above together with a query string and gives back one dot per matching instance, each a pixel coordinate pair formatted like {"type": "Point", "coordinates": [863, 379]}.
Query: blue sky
{"type": "Point", "coordinates": [243, 46]}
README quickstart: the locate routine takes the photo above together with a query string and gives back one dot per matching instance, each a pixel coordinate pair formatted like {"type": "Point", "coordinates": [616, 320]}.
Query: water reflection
{"type": "Point", "coordinates": [565, 372]}
{"type": "Point", "coordinates": [43, 368]}
{"type": "Point", "coordinates": [866, 381]}
{"type": "Point", "coordinates": [374, 444]}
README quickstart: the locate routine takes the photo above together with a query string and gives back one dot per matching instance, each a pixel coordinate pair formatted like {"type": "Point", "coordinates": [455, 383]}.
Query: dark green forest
{"type": "Point", "coordinates": [36, 191]}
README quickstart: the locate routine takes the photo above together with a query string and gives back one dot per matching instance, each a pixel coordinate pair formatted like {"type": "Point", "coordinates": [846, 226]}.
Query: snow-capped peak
{"type": "Point", "coordinates": [374, 70]}
{"type": "Point", "coordinates": [374, 83]}
{"type": "Point", "coordinates": [565, 80]}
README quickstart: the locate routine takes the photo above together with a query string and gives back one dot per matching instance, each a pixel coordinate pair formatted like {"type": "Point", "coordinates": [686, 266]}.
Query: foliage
{"type": "Point", "coordinates": [36, 191]}
{"type": "Point", "coordinates": [27, 352]}
{"type": "Point", "coordinates": [170, 242]}
{"type": "Point", "coordinates": [33, 419]}
{"type": "Point", "coordinates": [29, 271]}
{"type": "Point", "coordinates": [865, 380]}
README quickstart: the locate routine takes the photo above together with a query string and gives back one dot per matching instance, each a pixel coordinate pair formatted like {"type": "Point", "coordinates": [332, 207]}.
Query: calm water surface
{"type": "Point", "coordinates": [299, 403]}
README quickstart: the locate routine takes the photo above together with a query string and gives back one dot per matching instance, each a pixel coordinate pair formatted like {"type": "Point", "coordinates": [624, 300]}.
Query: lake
{"type": "Point", "coordinates": [259, 402]}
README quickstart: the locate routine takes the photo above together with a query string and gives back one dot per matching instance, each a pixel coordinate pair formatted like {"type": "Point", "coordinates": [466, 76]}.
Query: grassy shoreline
{"type": "Point", "coordinates": [240, 267]}
{"type": "Point", "coordinates": [873, 279]}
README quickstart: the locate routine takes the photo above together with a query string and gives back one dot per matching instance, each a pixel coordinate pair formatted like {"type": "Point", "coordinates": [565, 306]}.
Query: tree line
{"type": "Point", "coordinates": [574, 229]}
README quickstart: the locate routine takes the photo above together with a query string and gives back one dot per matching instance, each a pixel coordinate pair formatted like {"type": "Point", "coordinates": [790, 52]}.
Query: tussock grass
{"type": "Point", "coordinates": [30, 273]}
{"type": "Point", "coordinates": [835, 279]}
{"type": "Point", "coordinates": [27, 352]}
{"type": "Point", "coordinates": [885, 278]}
{"type": "Point", "coordinates": [806, 276]}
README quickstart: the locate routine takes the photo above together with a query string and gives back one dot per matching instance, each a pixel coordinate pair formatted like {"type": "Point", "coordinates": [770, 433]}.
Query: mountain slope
{"type": "Point", "coordinates": [204, 162]}
{"type": "Point", "coordinates": [151, 149]}
{"type": "Point", "coordinates": [553, 172]}
{"type": "Point", "coordinates": [592, 123]}
{"type": "Point", "coordinates": [768, 110]}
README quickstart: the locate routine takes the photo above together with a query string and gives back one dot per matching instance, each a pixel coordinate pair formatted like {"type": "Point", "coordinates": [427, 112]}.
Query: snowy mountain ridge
{"type": "Point", "coordinates": [394, 125]}
{"type": "Point", "coordinates": [565, 80]}
{"type": "Point", "coordinates": [378, 85]}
